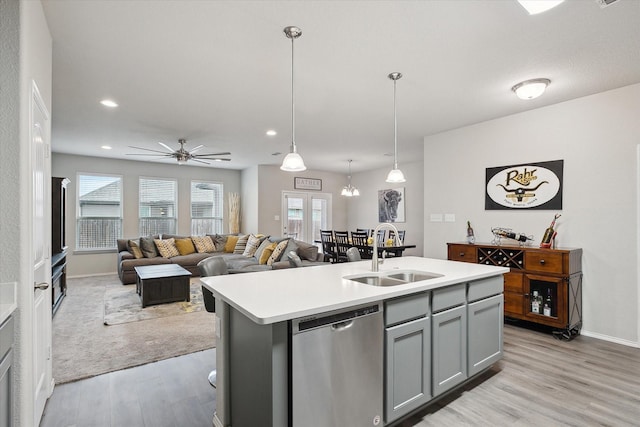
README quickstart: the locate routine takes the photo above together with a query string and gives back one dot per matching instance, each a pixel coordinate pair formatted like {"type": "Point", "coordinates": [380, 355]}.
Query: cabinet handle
{"type": "Point", "coordinates": [461, 253]}
{"type": "Point", "coordinates": [542, 261]}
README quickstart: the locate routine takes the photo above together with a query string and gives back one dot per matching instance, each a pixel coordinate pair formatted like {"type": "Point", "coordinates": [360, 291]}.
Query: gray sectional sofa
{"type": "Point", "coordinates": [236, 262]}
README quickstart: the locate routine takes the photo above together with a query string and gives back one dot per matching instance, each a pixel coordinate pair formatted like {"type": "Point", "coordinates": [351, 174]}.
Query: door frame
{"type": "Point", "coordinates": [308, 197]}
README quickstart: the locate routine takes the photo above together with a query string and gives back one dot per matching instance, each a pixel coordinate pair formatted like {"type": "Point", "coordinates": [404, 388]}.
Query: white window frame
{"type": "Point", "coordinates": [110, 226]}
{"type": "Point", "coordinates": [157, 224]}
{"type": "Point", "coordinates": [201, 225]}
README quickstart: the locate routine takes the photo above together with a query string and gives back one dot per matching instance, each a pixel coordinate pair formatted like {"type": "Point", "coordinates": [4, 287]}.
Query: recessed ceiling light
{"type": "Point", "coordinates": [272, 132]}
{"type": "Point", "coordinates": [109, 103]}
{"type": "Point", "coordinates": [106, 147]}
{"type": "Point", "coordinates": [538, 6]}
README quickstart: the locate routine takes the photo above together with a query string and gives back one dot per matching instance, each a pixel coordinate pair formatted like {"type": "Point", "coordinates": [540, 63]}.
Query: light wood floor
{"type": "Point", "coordinates": [541, 381]}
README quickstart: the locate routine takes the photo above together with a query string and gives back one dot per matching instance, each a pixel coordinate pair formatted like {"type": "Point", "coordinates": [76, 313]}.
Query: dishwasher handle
{"type": "Point", "coordinates": [341, 326]}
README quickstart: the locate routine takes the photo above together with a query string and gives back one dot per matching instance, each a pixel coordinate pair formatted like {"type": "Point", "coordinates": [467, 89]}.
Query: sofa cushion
{"type": "Point", "coordinates": [203, 244]}
{"type": "Point", "coordinates": [134, 248]}
{"type": "Point", "coordinates": [241, 244]}
{"type": "Point", "coordinates": [266, 252]}
{"type": "Point", "coordinates": [166, 247]}
{"type": "Point", "coordinates": [190, 260]}
{"type": "Point", "coordinates": [307, 250]}
{"type": "Point", "coordinates": [277, 252]}
{"type": "Point", "coordinates": [253, 243]}
{"type": "Point", "coordinates": [185, 246]}
{"type": "Point", "coordinates": [148, 247]}
{"type": "Point", "coordinates": [230, 243]}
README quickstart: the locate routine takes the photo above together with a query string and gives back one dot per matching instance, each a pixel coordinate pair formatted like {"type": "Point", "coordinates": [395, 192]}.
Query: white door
{"type": "Point", "coordinates": [41, 235]}
{"type": "Point", "coordinates": [305, 214]}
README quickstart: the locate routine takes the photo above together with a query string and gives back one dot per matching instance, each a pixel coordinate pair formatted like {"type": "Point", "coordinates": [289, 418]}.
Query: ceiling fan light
{"type": "Point", "coordinates": [531, 89]}
{"type": "Point", "coordinates": [395, 176]}
{"type": "Point", "coordinates": [293, 163]}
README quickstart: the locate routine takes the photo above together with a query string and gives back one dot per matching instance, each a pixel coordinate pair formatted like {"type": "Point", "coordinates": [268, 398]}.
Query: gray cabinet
{"type": "Point", "coordinates": [407, 355]}
{"type": "Point", "coordinates": [449, 340]}
{"type": "Point", "coordinates": [6, 361]}
{"type": "Point", "coordinates": [485, 333]}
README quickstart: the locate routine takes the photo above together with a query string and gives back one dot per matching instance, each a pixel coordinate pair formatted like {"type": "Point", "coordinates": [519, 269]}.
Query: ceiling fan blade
{"type": "Point", "coordinates": [151, 155]}
{"type": "Point", "coordinates": [214, 154]}
{"type": "Point", "coordinates": [167, 147]}
{"type": "Point", "coordinates": [148, 149]}
{"type": "Point", "coordinates": [197, 148]}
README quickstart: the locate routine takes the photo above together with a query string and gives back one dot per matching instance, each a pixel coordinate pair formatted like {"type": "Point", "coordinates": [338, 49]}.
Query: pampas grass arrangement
{"type": "Point", "coordinates": [234, 213]}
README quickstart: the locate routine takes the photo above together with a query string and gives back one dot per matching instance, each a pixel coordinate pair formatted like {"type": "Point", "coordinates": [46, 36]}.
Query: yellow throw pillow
{"type": "Point", "coordinates": [203, 244]}
{"type": "Point", "coordinates": [167, 248]}
{"type": "Point", "coordinates": [230, 245]}
{"type": "Point", "coordinates": [185, 246]}
{"type": "Point", "coordinates": [135, 249]}
{"type": "Point", "coordinates": [277, 252]}
{"type": "Point", "coordinates": [266, 253]}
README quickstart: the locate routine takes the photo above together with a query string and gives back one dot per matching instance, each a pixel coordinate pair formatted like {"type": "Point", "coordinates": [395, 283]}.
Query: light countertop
{"type": "Point", "coordinates": [7, 300]}
{"type": "Point", "coordinates": [279, 295]}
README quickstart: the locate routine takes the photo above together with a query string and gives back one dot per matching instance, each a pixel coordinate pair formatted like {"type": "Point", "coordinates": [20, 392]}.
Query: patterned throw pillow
{"type": "Point", "coordinates": [277, 252]}
{"type": "Point", "coordinates": [241, 245]}
{"type": "Point", "coordinates": [253, 243]}
{"type": "Point", "coordinates": [185, 246]}
{"type": "Point", "coordinates": [266, 253]}
{"type": "Point", "coordinates": [167, 248]}
{"type": "Point", "coordinates": [203, 244]}
{"type": "Point", "coordinates": [135, 249]}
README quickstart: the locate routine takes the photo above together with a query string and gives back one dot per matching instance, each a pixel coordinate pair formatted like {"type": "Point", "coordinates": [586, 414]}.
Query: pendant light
{"type": "Point", "coordinates": [349, 190]}
{"type": "Point", "coordinates": [293, 161]}
{"type": "Point", "coordinates": [396, 174]}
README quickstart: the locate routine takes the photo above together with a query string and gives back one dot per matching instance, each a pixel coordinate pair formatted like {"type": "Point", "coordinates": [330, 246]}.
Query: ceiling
{"type": "Point", "coordinates": [218, 73]}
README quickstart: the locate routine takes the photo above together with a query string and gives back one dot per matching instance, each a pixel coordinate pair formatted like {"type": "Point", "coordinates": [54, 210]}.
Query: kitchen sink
{"type": "Point", "coordinates": [393, 278]}
{"type": "Point", "coordinates": [414, 276]}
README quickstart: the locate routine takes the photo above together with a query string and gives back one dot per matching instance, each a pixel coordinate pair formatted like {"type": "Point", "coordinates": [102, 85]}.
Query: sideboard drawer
{"type": "Point", "coordinates": [543, 262]}
{"type": "Point", "coordinates": [465, 253]}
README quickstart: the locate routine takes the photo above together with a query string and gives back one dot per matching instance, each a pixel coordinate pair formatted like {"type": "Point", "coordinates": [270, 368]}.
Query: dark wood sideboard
{"type": "Point", "coordinates": [554, 273]}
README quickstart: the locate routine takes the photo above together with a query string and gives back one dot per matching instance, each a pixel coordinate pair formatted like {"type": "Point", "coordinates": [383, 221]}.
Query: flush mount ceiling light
{"type": "Point", "coordinates": [396, 174]}
{"type": "Point", "coordinates": [293, 161]}
{"type": "Point", "coordinates": [538, 6]}
{"type": "Point", "coordinates": [530, 89]}
{"type": "Point", "coordinates": [349, 190]}
{"type": "Point", "coordinates": [109, 103]}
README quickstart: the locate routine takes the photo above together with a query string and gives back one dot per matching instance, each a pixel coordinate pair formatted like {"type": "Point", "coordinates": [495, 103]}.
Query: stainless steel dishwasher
{"type": "Point", "coordinates": [337, 368]}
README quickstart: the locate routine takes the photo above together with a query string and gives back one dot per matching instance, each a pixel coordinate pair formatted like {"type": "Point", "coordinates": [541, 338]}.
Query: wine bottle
{"type": "Point", "coordinates": [547, 304]}
{"type": "Point", "coordinates": [471, 238]}
{"type": "Point", "coordinates": [549, 234]}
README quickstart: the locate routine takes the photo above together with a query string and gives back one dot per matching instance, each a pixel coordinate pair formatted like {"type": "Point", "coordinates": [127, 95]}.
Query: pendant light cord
{"type": "Point", "coordinates": [395, 128]}
{"type": "Point", "coordinates": [293, 104]}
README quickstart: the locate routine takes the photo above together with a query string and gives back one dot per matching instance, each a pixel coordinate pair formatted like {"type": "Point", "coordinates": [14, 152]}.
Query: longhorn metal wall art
{"type": "Point", "coordinates": [525, 186]}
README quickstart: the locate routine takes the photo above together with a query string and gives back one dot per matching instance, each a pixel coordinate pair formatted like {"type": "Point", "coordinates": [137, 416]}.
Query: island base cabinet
{"type": "Point", "coordinates": [408, 367]}
{"type": "Point", "coordinates": [485, 344]}
{"type": "Point", "coordinates": [449, 348]}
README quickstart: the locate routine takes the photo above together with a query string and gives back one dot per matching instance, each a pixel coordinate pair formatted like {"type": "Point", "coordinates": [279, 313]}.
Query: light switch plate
{"type": "Point", "coordinates": [435, 217]}
{"type": "Point", "coordinates": [449, 217]}
{"type": "Point", "coordinates": [276, 218]}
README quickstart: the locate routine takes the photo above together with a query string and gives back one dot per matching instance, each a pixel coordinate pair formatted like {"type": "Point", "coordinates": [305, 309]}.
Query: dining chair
{"type": "Point", "coordinates": [360, 241]}
{"type": "Point", "coordinates": [364, 230]}
{"type": "Point", "coordinates": [342, 244]}
{"type": "Point", "coordinates": [392, 235]}
{"type": "Point", "coordinates": [380, 239]}
{"type": "Point", "coordinates": [328, 245]}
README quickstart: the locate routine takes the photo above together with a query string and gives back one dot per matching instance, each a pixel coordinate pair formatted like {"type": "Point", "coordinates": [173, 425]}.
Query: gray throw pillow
{"type": "Point", "coordinates": [261, 248]}
{"type": "Point", "coordinates": [307, 251]}
{"type": "Point", "coordinates": [148, 247]}
{"type": "Point", "coordinates": [219, 241]}
{"type": "Point", "coordinates": [291, 246]}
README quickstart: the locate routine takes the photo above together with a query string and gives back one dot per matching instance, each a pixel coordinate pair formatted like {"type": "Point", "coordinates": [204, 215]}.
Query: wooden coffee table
{"type": "Point", "coordinates": [159, 284]}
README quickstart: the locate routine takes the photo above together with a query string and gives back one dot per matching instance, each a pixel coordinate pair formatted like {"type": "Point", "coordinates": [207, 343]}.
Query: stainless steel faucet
{"type": "Point", "coordinates": [374, 260]}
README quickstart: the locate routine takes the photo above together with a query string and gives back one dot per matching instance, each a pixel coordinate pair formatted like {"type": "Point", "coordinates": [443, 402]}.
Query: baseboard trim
{"type": "Point", "coordinates": [91, 275]}
{"type": "Point", "coordinates": [609, 338]}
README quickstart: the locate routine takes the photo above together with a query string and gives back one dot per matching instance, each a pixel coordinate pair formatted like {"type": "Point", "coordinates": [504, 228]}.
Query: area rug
{"type": "Point", "coordinates": [83, 346]}
{"type": "Point", "coordinates": [122, 305]}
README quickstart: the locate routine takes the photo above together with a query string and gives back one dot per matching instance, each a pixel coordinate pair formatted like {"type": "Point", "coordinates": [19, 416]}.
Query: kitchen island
{"type": "Point", "coordinates": [425, 337]}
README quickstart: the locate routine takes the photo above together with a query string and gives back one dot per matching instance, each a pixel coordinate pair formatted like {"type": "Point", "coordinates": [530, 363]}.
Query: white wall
{"type": "Point", "coordinates": [249, 199]}
{"type": "Point", "coordinates": [271, 182]}
{"type": "Point", "coordinates": [363, 210]}
{"type": "Point", "coordinates": [597, 137]}
{"type": "Point", "coordinates": [65, 165]}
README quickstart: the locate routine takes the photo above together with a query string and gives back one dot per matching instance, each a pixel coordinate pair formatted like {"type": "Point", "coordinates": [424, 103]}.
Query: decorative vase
{"type": "Point", "coordinates": [234, 213]}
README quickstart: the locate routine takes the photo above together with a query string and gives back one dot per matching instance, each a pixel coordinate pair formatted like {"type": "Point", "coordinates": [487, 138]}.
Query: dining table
{"type": "Point", "coordinates": [366, 251]}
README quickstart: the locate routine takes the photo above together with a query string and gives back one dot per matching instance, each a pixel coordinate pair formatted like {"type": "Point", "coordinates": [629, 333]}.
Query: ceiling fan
{"type": "Point", "coordinates": [183, 155]}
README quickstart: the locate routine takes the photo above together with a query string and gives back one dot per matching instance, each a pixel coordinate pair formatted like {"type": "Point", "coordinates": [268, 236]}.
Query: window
{"type": "Point", "coordinates": [206, 208]}
{"type": "Point", "coordinates": [157, 209]}
{"type": "Point", "coordinates": [99, 213]}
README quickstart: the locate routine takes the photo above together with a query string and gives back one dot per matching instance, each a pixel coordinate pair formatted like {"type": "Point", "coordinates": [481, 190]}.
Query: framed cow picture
{"type": "Point", "coordinates": [391, 205]}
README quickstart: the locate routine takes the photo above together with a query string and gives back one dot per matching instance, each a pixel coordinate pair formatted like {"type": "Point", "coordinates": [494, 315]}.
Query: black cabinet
{"type": "Point", "coordinates": [58, 241]}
